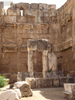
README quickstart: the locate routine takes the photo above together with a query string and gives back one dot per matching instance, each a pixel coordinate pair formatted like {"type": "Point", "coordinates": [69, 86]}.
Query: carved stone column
{"type": "Point", "coordinates": [45, 62]}
{"type": "Point", "coordinates": [30, 63]}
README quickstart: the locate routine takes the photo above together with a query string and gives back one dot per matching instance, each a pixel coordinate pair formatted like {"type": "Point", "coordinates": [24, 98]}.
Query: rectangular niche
{"type": "Point", "coordinates": [9, 48]}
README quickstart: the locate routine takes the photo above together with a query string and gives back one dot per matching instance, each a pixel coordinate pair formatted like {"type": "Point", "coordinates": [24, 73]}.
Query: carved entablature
{"type": "Point", "coordinates": [40, 44]}
{"type": "Point", "coordinates": [68, 18]}
{"type": "Point", "coordinates": [9, 48]}
{"type": "Point", "coordinates": [8, 25]}
{"type": "Point", "coordinates": [65, 45]}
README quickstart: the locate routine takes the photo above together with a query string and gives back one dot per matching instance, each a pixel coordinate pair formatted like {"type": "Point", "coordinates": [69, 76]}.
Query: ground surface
{"type": "Point", "coordinates": [47, 94]}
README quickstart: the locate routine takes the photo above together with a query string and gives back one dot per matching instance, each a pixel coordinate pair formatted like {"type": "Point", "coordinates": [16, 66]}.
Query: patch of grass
{"type": "Point", "coordinates": [49, 70]}
{"type": "Point", "coordinates": [3, 81]}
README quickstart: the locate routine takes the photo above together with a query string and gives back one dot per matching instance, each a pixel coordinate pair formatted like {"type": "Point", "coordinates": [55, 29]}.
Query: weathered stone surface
{"type": "Point", "coordinates": [69, 90]}
{"type": "Point", "coordinates": [52, 61]}
{"type": "Point", "coordinates": [63, 80]}
{"type": "Point", "coordinates": [9, 95]}
{"type": "Point", "coordinates": [22, 75]}
{"type": "Point", "coordinates": [73, 91]}
{"type": "Point", "coordinates": [32, 82]}
{"type": "Point", "coordinates": [55, 82]}
{"type": "Point", "coordinates": [24, 88]}
{"type": "Point", "coordinates": [39, 82]}
{"type": "Point", "coordinates": [51, 29]}
{"type": "Point", "coordinates": [18, 93]}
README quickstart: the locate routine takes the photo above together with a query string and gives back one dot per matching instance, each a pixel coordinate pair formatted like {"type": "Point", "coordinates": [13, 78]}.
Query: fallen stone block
{"type": "Point", "coordinates": [69, 90]}
{"type": "Point", "coordinates": [24, 88]}
{"type": "Point", "coordinates": [73, 91]}
{"type": "Point", "coordinates": [9, 95]}
{"type": "Point", "coordinates": [67, 95]}
{"type": "Point", "coordinates": [18, 92]}
{"type": "Point", "coordinates": [32, 82]}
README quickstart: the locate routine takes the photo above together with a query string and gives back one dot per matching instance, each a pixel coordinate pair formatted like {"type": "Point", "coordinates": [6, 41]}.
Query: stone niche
{"type": "Point", "coordinates": [9, 48]}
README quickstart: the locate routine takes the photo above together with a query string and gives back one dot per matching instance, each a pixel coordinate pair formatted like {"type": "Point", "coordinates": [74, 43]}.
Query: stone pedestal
{"type": "Point", "coordinates": [69, 90]}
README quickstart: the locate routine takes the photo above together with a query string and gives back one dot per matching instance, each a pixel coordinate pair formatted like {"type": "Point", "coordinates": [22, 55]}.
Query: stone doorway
{"type": "Point", "coordinates": [37, 64]}
{"type": "Point", "coordinates": [42, 46]}
{"type": "Point", "coordinates": [37, 61]}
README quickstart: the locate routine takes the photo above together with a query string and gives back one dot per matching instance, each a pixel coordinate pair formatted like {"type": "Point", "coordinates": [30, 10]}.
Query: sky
{"type": "Point", "coordinates": [58, 3]}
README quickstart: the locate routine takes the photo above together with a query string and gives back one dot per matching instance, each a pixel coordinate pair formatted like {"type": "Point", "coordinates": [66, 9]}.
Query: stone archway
{"type": "Point", "coordinates": [41, 45]}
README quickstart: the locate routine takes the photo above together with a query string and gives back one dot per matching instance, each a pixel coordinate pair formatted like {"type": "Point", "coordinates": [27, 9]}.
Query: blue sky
{"type": "Point", "coordinates": [58, 3]}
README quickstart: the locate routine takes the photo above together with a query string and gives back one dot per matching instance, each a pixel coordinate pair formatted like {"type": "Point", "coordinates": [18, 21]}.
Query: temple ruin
{"type": "Point", "coordinates": [36, 38]}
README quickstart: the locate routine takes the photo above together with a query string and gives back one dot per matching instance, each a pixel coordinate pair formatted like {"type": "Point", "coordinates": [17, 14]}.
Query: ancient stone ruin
{"type": "Point", "coordinates": [36, 39]}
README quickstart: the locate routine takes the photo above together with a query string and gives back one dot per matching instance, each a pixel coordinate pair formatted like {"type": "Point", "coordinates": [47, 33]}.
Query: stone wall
{"type": "Point", "coordinates": [38, 21]}
{"type": "Point", "coordinates": [65, 37]}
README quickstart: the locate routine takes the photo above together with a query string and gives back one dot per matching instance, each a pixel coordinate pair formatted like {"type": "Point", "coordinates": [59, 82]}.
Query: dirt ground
{"type": "Point", "coordinates": [47, 94]}
{"type": "Point", "coordinates": [44, 94]}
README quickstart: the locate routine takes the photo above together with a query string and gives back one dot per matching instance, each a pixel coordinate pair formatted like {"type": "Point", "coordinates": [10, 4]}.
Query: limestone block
{"type": "Point", "coordinates": [52, 61]}
{"type": "Point", "coordinates": [43, 83]}
{"type": "Point", "coordinates": [9, 49]}
{"type": "Point", "coordinates": [68, 95]}
{"type": "Point", "coordinates": [51, 6]}
{"type": "Point", "coordinates": [18, 93]}
{"type": "Point", "coordinates": [2, 11]}
{"type": "Point", "coordinates": [21, 5]}
{"type": "Point", "coordinates": [24, 88]}
{"type": "Point", "coordinates": [10, 19]}
{"type": "Point", "coordinates": [34, 6]}
{"type": "Point", "coordinates": [28, 26]}
{"type": "Point", "coordinates": [43, 6]}
{"type": "Point", "coordinates": [13, 11]}
{"type": "Point", "coordinates": [63, 80]}
{"type": "Point", "coordinates": [30, 19]}
{"type": "Point", "coordinates": [39, 44]}
{"type": "Point", "coordinates": [21, 76]}
{"type": "Point", "coordinates": [13, 77]}
{"type": "Point", "coordinates": [32, 82]}
{"type": "Point", "coordinates": [21, 19]}
{"type": "Point", "coordinates": [9, 94]}
{"type": "Point", "coordinates": [68, 87]}
{"type": "Point", "coordinates": [39, 82]}
{"type": "Point", "coordinates": [4, 61]}
{"type": "Point", "coordinates": [44, 26]}
{"type": "Point", "coordinates": [69, 90]}
{"type": "Point", "coordinates": [1, 4]}
{"type": "Point", "coordinates": [55, 82]}
{"type": "Point", "coordinates": [31, 12]}
{"type": "Point", "coordinates": [70, 80]}
{"type": "Point", "coordinates": [73, 92]}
